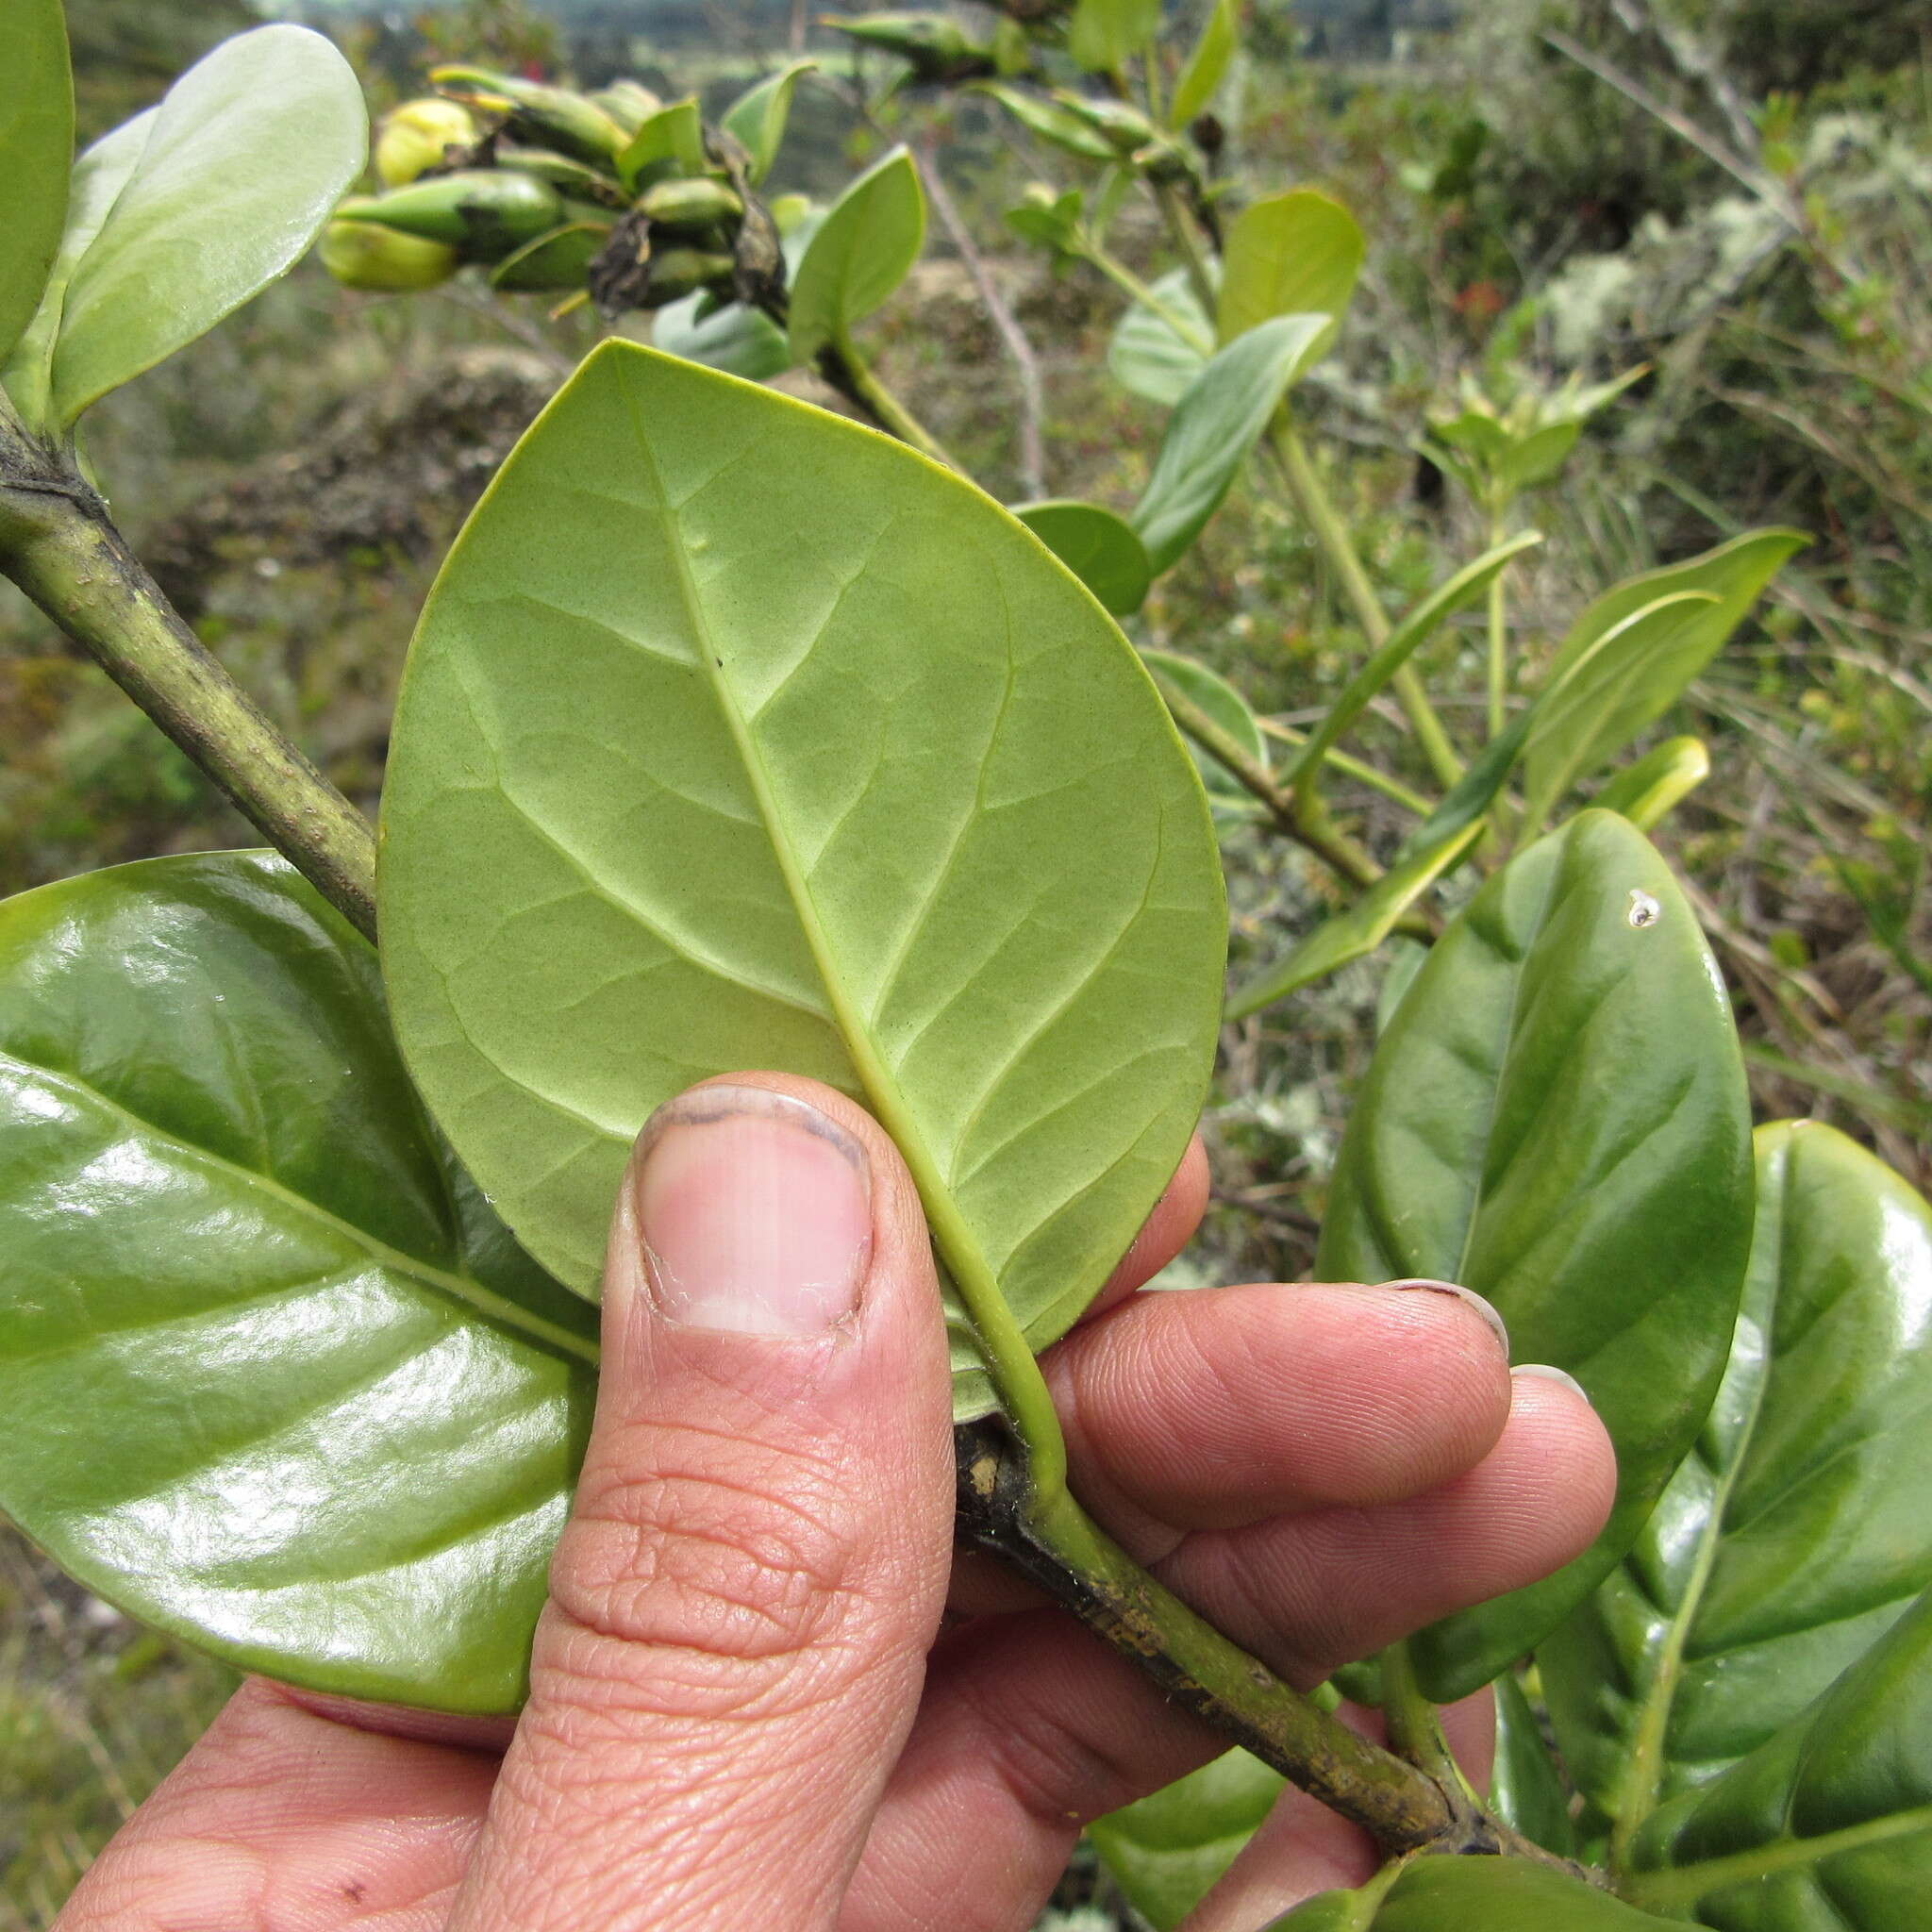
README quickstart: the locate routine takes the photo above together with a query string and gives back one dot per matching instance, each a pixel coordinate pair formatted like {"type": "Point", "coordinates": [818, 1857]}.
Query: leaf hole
{"type": "Point", "coordinates": [1644, 909]}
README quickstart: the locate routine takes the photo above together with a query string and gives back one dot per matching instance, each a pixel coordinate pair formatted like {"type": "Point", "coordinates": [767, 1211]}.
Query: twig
{"type": "Point", "coordinates": [1025, 364]}
{"type": "Point", "coordinates": [57, 544]}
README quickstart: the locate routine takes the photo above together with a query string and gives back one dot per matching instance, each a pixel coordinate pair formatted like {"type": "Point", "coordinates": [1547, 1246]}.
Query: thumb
{"type": "Point", "coordinates": [741, 1602]}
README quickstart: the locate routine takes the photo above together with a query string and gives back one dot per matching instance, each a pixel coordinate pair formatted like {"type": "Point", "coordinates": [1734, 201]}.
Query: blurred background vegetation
{"type": "Point", "coordinates": [1534, 206]}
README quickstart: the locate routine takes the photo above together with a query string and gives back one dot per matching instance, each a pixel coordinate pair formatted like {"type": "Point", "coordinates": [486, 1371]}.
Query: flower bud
{"type": "Point", "coordinates": [690, 203]}
{"type": "Point", "coordinates": [416, 136]}
{"type": "Point", "coordinates": [359, 255]}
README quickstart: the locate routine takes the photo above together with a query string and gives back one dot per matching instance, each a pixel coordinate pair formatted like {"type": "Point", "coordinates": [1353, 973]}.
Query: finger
{"type": "Point", "coordinates": [1030, 1728]}
{"type": "Point", "coordinates": [1312, 1592]}
{"type": "Point", "coordinates": [743, 1600]}
{"type": "Point", "coordinates": [1303, 1848]}
{"type": "Point", "coordinates": [1214, 1408]}
{"type": "Point", "coordinates": [1211, 1408]}
{"type": "Point", "coordinates": [1164, 1233]}
{"type": "Point", "coordinates": [282, 1816]}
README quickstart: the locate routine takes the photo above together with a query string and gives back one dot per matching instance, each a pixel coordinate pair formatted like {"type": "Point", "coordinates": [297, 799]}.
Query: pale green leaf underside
{"type": "Point", "coordinates": [1557, 1118]}
{"type": "Point", "coordinates": [1300, 253]}
{"type": "Point", "coordinates": [1797, 1530]}
{"type": "Point", "coordinates": [1148, 357]}
{"type": "Point", "coordinates": [36, 154]}
{"type": "Point", "coordinates": [246, 157]}
{"type": "Point", "coordinates": [737, 737]}
{"type": "Point", "coordinates": [274, 1378]}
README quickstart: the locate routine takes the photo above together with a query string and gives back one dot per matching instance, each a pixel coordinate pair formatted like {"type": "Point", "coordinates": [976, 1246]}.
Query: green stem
{"type": "Point", "coordinates": [1499, 634]}
{"type": "Point", "coordinates": [1130, 285]}
{"type": "Point", "coordinates": [853, 378]}
{"type": "Point", "coordinates": [1684, 1885]}
{"type": "Point", "coordinates": [1311, 831]}
{"type": "Point", "coordinates": [1187, 237]}
{"type": "Point", "coordinates": [1358, 769]}
{"type": "Point", "coordinates": [56, 544]}
{"type": "Point", "coordinates": [1415, 1726]}
{"type": "Point", "coordinates": [1320, 514]}
{"type": "Point", "coordinates": [1056, 1545]}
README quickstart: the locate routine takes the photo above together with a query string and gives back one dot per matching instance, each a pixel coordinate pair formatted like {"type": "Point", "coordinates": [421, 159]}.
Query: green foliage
{"type": "Point", "coordinates": [1107, 34]}
{"type": "Point", "coordinates": [1829, 1823]}
{"type": "Point", "coordinates": [757, 117]}
{"type": "Point", "coordinates": [36, 151]}
{"type": "Point", "coordinates": [1200, 80]}
{"type": "Point", "coordinates": [1527, 1787]}
{"type": "Point", "coordinates": [1795, 1532]}
{"type": "Point", "coordinates": [1469, 1896]}
{"type": "Point", "coordinates": [1611, 1236]}
{"type": "Point", "coordinates": [859, 253]}
{"type": "Point", "coordinates": [1214, 428]}
{"type": "Point", "coordinates": [735, 913]}
{"type": "Point", "coordinates": [1104, 550]}
{"type": "Point", "coordinates": [1629, 656]}
{"type": "Point", "coordinates": [1294, 254]}
{"type": "Point", "coordinates": [1166, 1851]}
{"type": "Point", "coordinates": [1227, 795]}
{"type": "Point", "coordinates": [173, 223]}
{"type": "Point", "coordinates": [297, 1278]}
{"type": "Point", "coordinates": [1149, 355]}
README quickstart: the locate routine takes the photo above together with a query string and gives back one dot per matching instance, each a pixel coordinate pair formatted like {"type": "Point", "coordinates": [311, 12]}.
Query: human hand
{"type": "Point", "coordinates": [747, 1700]}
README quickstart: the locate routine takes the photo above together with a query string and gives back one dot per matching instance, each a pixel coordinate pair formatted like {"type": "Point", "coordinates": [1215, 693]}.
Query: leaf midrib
{"type": "Point", "coordinates": [1001, 1342]}
{"type": "Point", "coordinates": [1654, 1710]}
{"type": "Point", "coordinates": [483, 1300]}
{"type": "Point", "coordinates": [1683, 1885]}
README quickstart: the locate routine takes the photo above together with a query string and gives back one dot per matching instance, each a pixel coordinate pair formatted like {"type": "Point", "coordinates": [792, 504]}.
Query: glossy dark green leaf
{"type": "Point", "coordinates": [1200, 80]}
{"type": "Point", "coordinates": [1648, 792]}
{"type": "Point", "coordinates": [1557, 1118]}
{"type": "Point", "coordinates": [204, 222]}
{"type": "Point", "coordinates": [1825, 1828]}
{"type": "Point", "coordinates": [1527, 1789]}
{"type": "Point", "coordinates": [1355, 933]}
{"type": "Point", "coordinates": [276, 1379]}
{"type": "Point", "coordinates": [1402, 643]}
{"type": "Point", "coordinates": [1167, 1850]}
{"type": "Point", "coordinates": [859, 254]}
{"type": "Point", "coordinates": [728, 336]}
{"type": "Point", "coordinates": [891, 803]}
{"type": "Point", "coordinates": [1471, 1895]}
{"type": "Point", "coordinates": [1104, 35]}
{"type": "Point", "coordinates": [1227, 795]}
{"type": "Point", "coordinates": [36, 157]}
{"type": "Point", "coordinates": [1629, 656]}
{"type": "Point", "coordinates": [1214, 429]}
{"type": "Point", "coordinates": [758, 116]}
{"type": "Point", "coordinates": [1294, 254]}
{"type": "Point", "coordinates": [1103, 550]}
{"type": "Point", "coordinates": [1149, 356]}
{"type": "Point", "coordinates": [1798, 1529]}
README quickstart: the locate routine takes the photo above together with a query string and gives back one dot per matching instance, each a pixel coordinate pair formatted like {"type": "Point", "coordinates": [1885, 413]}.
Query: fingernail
{"type": "Point", "coordinates": [1544, 1372]}
{"type": "Point", "coordinates": [755, 1212]}
{"type": "Point", "coordinates": [1463, 1294]}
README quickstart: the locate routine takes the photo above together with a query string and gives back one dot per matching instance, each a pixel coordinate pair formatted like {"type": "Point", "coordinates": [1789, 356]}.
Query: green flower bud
{"type": "Point", "coordinates": [359, 255]}
{"type": "Point", "coordinates": [416, 136]}
{"type": "Point", "coordinates": [676, 271]}
{"type": "Point", "coordinates": [690, 203]}
{"type": "Point", "coordinates": [485, 212]}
